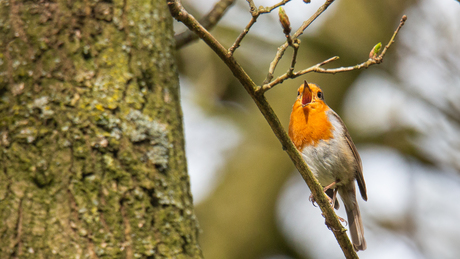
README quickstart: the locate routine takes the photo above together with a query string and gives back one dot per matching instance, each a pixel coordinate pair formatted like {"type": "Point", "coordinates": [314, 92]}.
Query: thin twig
{"type": "Point", "coordinates": [299, 32]}
{"type": "Point", "coordinates": [274, 63]}
{"type": "Point", "coordinates": [255, 12]}
{"type": "Point", "coordinates": [328, 60]}
{"type": "Point", "coordinates": [269, 9]}
{"type": "Point", "coordinates": [208, 21]}
{"type": "Point", "coordinates": [181, 14]}
{"type": "Point", "coordinates": [238, 40]}
{"type": "Point", "coordinates": [289, 40]}
{"type": "Point", "coordinates": [294, 56]}
{"type": "Point", "coordinates": [307, 23]}
{"type": "Point", "coordinates": [318, 67]}
{"type": "Point", "coordinates": [252, 6]}
{"type": "Point", "coordinates": [392, 40]}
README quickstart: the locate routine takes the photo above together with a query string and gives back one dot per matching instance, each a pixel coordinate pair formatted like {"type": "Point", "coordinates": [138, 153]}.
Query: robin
{"type": "Point", "coordinates": [326, 146]}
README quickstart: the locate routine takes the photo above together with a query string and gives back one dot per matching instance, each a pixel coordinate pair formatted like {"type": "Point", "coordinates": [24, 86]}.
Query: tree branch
{"type": "Point", "coordinates": [294, 56]}
{"type": "Point", "coordinates": [255, 14]}
{"type": "Point", "coordinates": [179, 13]}
{"type": "Point", "coordinates": [208, 22]}
{"type": "Point", "coordinates": [318, 67]}
{"type": "Point", "coordinates": [238, 40]}
{"type": "Point", "coordinates": [299, 32]}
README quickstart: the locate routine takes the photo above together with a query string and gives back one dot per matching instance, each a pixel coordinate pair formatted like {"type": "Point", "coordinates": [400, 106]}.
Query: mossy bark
{"type": "Point", "coordinates": [91, 140]}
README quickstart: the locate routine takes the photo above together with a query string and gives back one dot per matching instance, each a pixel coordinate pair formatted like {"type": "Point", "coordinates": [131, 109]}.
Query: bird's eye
{"type": "Point", "coordinates": [298, 93]}
{"type": "Point", "coordinates": [320, 95]}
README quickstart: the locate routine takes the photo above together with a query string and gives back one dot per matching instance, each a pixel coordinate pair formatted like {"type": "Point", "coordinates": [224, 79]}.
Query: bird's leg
{"type": "Point", "coordinates": [330, 186]}
{"type": "Point", "coordinates": [331, 201]}
{"type": "Point", "coordinates": [334, 192]}
{"type": "Point", "coordinates": [334, 197]}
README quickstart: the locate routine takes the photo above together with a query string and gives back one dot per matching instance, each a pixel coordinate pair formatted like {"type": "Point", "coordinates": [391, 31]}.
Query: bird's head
{"type": "Point", "coordinates": [310, 96]}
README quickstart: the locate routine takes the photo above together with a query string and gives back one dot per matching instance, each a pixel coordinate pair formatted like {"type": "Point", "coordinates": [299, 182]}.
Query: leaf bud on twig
{"type": "Point", "coordinates": [284, 19]}
{"type": "Point", "coordinates": [375, 51]}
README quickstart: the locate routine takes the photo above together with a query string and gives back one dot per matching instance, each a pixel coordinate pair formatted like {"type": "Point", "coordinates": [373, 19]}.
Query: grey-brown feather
{"type": "Point", "coordinates": [354, 217]}
{"type": "Point", "coordinates": [359, 171]}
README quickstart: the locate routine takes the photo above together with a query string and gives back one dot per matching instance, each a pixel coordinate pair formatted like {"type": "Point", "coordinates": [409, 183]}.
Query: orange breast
{"type": "Point", "coordinates": [308, 126]}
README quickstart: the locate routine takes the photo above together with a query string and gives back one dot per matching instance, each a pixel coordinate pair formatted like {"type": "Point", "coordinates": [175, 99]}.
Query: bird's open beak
{"type": "Point", "coordinates": [306, 95]}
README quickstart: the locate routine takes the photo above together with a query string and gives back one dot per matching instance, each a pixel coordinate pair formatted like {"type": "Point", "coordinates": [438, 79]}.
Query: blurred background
{"type": "Point", "coordinates": [403, 115]}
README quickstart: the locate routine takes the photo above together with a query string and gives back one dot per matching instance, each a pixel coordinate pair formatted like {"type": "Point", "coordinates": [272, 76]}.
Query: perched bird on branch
{"type": "Point", "coordinates": [326, 146]}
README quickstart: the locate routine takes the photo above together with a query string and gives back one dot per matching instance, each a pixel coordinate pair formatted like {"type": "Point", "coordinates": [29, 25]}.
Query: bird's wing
{"type": "Point", "coordinates": [359, 171]}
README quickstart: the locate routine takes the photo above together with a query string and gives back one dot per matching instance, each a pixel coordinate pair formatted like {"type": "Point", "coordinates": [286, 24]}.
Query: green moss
{"type": "Point", "coordinates": [95, 148]}
{"type": "Point", "coordinates": [134, 96]}
{"type": "Point", "coordinates": [28, 134]}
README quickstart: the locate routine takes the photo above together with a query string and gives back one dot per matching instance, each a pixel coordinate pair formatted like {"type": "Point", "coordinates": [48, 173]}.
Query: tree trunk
{"type": "Point", "coordinates": [91, 139]}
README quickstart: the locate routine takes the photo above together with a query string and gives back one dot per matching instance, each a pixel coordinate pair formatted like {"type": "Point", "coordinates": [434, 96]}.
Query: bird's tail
{"type": "Point", "coordinates": [354, 220]}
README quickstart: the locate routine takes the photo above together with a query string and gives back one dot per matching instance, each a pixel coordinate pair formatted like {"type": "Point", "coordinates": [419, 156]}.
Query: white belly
{"type": "Point", "coordinates": [331, 160]}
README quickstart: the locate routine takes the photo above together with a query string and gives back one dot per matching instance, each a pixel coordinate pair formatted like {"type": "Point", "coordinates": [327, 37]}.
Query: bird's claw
{"type": "Point", "coordinates": [312, 199]}
{"type": "Point", "coordinates": [343, 221]}
{"type": "Point", "coordinates": [329, 226]}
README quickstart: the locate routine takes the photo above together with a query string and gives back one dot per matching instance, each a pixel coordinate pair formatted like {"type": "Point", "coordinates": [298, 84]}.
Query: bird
{"type": "Point", "coordinates": [325, 144]}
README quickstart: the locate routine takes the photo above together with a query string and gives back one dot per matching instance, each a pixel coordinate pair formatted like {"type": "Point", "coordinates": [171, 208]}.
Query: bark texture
{"type": "Point", "coordinates": [91, 141]}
